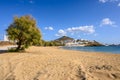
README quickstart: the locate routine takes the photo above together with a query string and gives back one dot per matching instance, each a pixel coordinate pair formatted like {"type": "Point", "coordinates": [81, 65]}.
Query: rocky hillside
{"type": "Point", "coordinates": [64, 38]}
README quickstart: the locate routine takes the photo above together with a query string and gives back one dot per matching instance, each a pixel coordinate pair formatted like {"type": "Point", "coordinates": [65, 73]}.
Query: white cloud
{"type": "Point", "coordinates": [30, 1]}
{"type": "Point", "coordinates": [49, 28]}
{"type": "Point", "coordinates": [111, 1]}
{"type": "Point", "coordinates": [104, 1]}
{"type": "Point", "coordinates": [85, 29]}
{"type": "Point", "coordinates": [61, 32]}
{"type": "Point", "coordinates": [108, 22]}
{"type": "Point", "coordinates": [119, 4]}
{"type": "Point", "coordinates": [75, 30]}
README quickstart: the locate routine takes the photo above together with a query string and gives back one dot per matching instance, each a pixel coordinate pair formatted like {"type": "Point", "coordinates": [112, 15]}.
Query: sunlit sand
{"type": "Point", "coordinates": [53, 63]}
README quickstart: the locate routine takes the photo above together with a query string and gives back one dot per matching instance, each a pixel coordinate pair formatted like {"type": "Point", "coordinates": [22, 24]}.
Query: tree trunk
{"type": "Point", "coordinates": [19, 46]}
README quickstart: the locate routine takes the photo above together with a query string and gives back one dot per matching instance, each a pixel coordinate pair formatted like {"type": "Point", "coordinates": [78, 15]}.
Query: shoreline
{"type": "Point", "coordinates": [106, 52]}
{"type": "Point", "coordinates": [54, 63]}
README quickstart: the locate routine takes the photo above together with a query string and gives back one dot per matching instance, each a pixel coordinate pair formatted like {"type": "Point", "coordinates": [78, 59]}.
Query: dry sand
{"type": "Point", "coordinates": [51, 63]}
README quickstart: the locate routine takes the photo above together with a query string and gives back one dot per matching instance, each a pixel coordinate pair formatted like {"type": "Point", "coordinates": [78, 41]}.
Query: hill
{"type": "Point", "coordinates": [79, 42]}
{"type": "Point", "coordinates": [64, 38]}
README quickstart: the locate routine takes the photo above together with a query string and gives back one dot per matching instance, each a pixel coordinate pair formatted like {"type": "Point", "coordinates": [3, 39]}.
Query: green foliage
{"type": "Point", "coordinates": [24, 32]}
{"type": "Point", "coordinates": [12, 50]}
{"type": "Point", "coordinates": [50, 43]}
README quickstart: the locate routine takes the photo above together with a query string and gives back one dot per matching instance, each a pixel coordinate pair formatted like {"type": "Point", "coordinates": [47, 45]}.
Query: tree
{"type": "Point", "coordinates": [24, 32]}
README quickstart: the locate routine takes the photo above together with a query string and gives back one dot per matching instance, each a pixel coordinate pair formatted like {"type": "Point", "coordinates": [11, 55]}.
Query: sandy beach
{"type": "Point", "coordinates": [53, 63]}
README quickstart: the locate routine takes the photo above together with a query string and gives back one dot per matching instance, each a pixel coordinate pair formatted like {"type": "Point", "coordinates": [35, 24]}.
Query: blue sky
{"type": "Point", "coordinates": [81, 19]}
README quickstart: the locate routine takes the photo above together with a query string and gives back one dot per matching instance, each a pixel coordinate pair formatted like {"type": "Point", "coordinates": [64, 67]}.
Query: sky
{"type": "Point", "coordinates": [80, 19]}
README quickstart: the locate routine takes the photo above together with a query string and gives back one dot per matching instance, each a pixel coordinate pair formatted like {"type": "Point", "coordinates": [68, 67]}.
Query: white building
{"type": "Point", "coordinates": [6, 38]}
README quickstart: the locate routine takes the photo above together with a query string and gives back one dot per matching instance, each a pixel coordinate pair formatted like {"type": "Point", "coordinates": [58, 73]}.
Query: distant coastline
{"type": "Point", "coordinates": [105, 49]}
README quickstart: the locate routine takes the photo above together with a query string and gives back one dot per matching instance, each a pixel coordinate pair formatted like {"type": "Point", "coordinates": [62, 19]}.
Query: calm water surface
{"type": "Point", "coordinates": [110, 49]}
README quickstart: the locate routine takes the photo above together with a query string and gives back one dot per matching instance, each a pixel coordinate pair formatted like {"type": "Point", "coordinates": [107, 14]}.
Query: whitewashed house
{"type": "Point", "coordinates": [5, 38]}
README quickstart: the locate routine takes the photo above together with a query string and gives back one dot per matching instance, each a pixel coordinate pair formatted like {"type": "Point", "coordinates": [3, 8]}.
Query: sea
{"type": "Point", "coordinates": [105, 49]}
